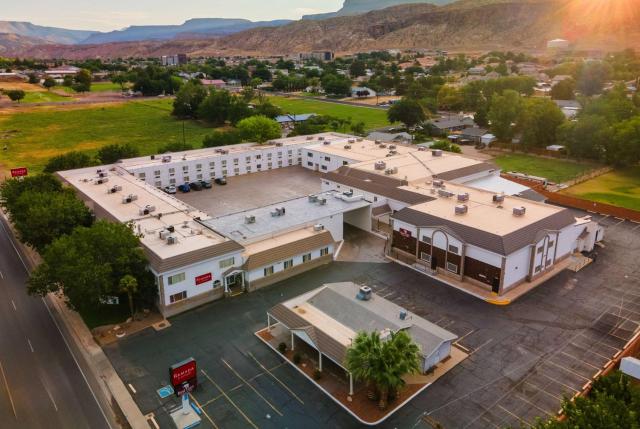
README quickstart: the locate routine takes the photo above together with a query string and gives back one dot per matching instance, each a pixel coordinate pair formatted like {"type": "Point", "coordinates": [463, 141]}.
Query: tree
{"type": "Point", "coordinates": [49, 83]}
{"type": "Point", "coordinates": [12, 189]}
{"type": "Point", "coordinates": [42, 217]}
{"type": "Point", "coordinates": [33, 78]}
{"type": "Point", "coordinates": [358, 128]}
{"type": "Point", "coordinates": [265, 108]}
{"type": "Point", "coordinates": [115, 152]}
{"type": "Point", "coordinates": [215, 107]}
{"type": "Point", "coordinates": [585, 138]}
{"type": "Point", "coordinates": [564, 90]}
{"type": "Point", "coordinates": [120, 79]}
{"type": "Point", "coordinates": [222, 138]}
{"type": "Point", "coordinates": [539, 121]}
{"type": "Point", "coordinates": [188, 99]}
{"type": "Point", "coordinates": [15, 94]}
{"type": "Point", "coordinates": [447, 146]}
{"type": "Point", "coordinates": [337, 85]}
{"type": "Point", "coordinates": [623, 147]}
{"type": "Point", "coordinates": [67, 81]}
{"type": "Point", "coordinates": [449, 98]}
{"type": "Point", "coordinates": [259, 129]}
{"type": "Point", "coordinates": [503, 113]}
{"type": "Point", "coordinates": [89, 263]}
{"type": "Point", "coordinates": [175, 147]}
{"type": "Point", "coordinates": [357, 68]}
{"type": "Point", "coordinates": [82, 81]}
{"type": "Point", "coordinates": [592, 77]}
{"type": "Point", "coordinates": [69, 161]}
{"type": "Point", "coordinates": [129, 285]}
{"type": "Point", "coordinates": [407, 111]}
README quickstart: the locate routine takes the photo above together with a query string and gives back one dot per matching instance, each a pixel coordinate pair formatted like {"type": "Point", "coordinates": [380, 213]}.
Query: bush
{"type": "Point", "coordinates": [115, 152]}
{"type": "Point", "coordinates": [222, 138]}
{"type": "Point", "coordinates": [259, 129]}
{"type": "Point", "coordinates": [69, 161]}
{"type": "Point", "coordinates": [297, 358]}
{"type": "Point", "coordinates": [317, 374]}
{"type": "Point", "coordinates": [282, 347]}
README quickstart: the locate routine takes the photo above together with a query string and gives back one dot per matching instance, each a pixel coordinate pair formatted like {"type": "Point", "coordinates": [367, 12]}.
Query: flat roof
{"type": "Point", "coordinates": [361, 150]}
{"type": "Point", "coordinates": [169, 211]}
{"type": "Point", "coordinates": [299, 213]}
{"type": "Point", "coordinates": [483, 214]}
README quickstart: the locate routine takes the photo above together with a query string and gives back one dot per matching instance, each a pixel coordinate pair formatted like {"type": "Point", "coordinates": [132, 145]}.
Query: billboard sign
{"type": "Point", "coordinates": [19, 172]}
{"type": "Point", "coordinates": [184, 376]}
{"type": "Point", "coordinates": [204, 278]}
{"type": "Point", "coordinates": [405, 233]}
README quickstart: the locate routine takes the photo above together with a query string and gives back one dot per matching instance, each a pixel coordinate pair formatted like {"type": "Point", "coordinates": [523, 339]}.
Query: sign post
{"type": "Point", "coordinates": [184, 379]}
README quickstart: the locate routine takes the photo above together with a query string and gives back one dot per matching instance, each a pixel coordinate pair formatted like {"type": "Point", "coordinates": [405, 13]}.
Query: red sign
{"type": "Point", "coordinates": [204, 278]}
{"type": "Point", "coordinates": [19, 172]}
{"type": "Point", "coordinates": [405, 233]}
{"type": "Point", "coordinates": [184, 376]}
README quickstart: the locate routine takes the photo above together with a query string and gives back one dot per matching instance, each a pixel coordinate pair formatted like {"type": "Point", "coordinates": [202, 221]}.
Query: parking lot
{"type": "Point", "coordinates": [524, 359]}
{"type": "Point", "coordinates": [254, 190]}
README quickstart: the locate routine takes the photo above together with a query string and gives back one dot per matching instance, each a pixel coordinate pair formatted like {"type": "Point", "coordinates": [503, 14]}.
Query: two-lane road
{"type": "Point", "coordinates": [41, 385]}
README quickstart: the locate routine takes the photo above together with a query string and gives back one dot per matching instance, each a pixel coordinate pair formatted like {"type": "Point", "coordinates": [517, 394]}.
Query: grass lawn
{"type": "Point", "coordinates": [107, 315]}
{"type": "Point", "coordinates": [34, 137]}
{"type": "Point", "coordinates": [555, 170]}
{"type": "Point", "coordinates": [372, 118]}
{"type": "Point", "coordinates": [44, 97]}
{"type": "Point", "coordinates": [620, 188]}
{"type": "Point", "coordinates": [105, 86]}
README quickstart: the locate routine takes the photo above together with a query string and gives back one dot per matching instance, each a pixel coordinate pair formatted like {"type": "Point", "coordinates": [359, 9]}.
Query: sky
{"type": "Point", "coordinates": [117, 14]}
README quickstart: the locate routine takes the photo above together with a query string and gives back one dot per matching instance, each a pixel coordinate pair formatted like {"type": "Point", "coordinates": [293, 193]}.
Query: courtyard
{"type": "Point", "coordinates": [523, 358]}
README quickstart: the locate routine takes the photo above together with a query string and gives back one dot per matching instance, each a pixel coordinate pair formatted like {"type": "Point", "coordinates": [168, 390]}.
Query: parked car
{"type": "Point", "coordinates": [171, 189]}
{"type": "Point", "coordinates": [196, 186]}
{"type": "Point", "coordinates": [184, 188]}
{"type": "Point", "coordinates": [206, 184]}
{"type": "Point", "coordinates": [221, 181]}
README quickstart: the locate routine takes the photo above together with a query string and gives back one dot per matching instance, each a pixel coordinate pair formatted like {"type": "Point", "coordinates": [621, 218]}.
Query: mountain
{"type": "Point", "coordinates": [357, 7]}
{"type": "Point", "coordinates": [10, 43]}
{"type": "Point", "coordinates": [194, 27]}
{"type": "Point", "coordinates": [47, 34]}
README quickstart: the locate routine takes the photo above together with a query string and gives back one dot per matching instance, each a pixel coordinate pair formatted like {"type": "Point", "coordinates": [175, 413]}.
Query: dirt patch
{"type": "Point", "coordinates": [111, 333]}
{"type": "Point", "coordinates": [28, 87]}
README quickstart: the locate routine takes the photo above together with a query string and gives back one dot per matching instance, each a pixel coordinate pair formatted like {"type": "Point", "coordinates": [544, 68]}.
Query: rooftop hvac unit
{"type": "Point", "coordinates": [166, 158]}
{"type": "Point", "coordinates": [498, 198]}
{"type": "Point", "coordinates": [278, 212]}
{"type": "Point", "coordinates": [422, 149]}
{"type": "Point", "coordinates": [364, 293]}
{"type": "Point", "coordinates": [279, 144]}
{"type": "Point", "coordinates": [116, 188]}
{"type": "Point", "coordinates": [218, 150]}
{"type": "Point", "coordinates": [153, 157]}
{"type": "Point", "coordinates": [393, 152]}
{"type": "Point", "coordinates": [445, 194]}
{"type": "Point", "coordinates": [392, 147]}
{"type": "Point", "coordinates": [164, 234]}
{"type": "Point", "coordinates": [436, 152]}
{"type": "Point", "coordinates": [382, 145]}
{"type": "Point", "coordinates": [102, 173]}
{"type": "Point", "coordinates": [320, 138]}
{"type": "Point", "coordinates": [318, 227]}
{"type": "Point", "coordinates": [326, 143]}
{"type": "Point", "coordinates": [147, 209]}
{"type": "Point", "coordinates": [378, 142]}
{"type": "Point", "coordinates": [172, 239]}
{"type": "Point", "coordinates": [351, 141]}
{"type": "Point", "coordinates": [249, 219]}
{"type": "Point", "coordinates": [224, 151]}
{"type": "Point", "coordinates": [461, 209]}
{"type": "Point", "coordinates": [438, 183]}
{"type": "Point", "coordinates": [171, 228]}
{"type": "Point", "coordinates": [347, 146]}
{"type": "Point", "coordinates": [313, 198]}
{"type": "Point", "coordinates": [463, 197]}
{"type": "Point", "coordinates": [322, 201]}
{"type": "Point", "coordinates": [519, 211]}
{"type": "Point", "coordinates": [348, 194]}
{"type": "Point", "coordinates": [359, 139]}
{"type": "Point", "coordinates": [102, 180]}
{"type": "Point", "coordinates": [403, 315]}
{"type": "Point", "coordinates": [380, 165]}
{"type": "Point", "coordinates": [309, 138]}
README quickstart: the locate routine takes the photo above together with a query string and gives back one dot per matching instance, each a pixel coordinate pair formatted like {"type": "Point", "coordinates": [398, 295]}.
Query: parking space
{"type": "Point", "coordinates": [254, 190]}
{"type": "Point", "coordinates": [524, 358]}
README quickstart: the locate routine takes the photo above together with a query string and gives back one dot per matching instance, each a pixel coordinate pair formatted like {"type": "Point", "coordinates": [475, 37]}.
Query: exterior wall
{"type": "Point", "coordinates": [318, 161]}
{"type": "Point", "coordinates": [436, 357]}
{"type": "Point", "coordinates": [517, 267]}
{"type": "Point", "coordinates": [256, 279]}
{"type": "Point", "coordinates": [360, 218]}
{"type": "Point", "coordinates": [476, 176]}
{"type": "Point", "coordinates": [375, 199]}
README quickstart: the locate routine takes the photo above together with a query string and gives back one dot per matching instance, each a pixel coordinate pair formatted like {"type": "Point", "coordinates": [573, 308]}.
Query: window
{"type": "Point", "coordinates": [426, 239]}
{"type": "Point", "coordinates": [224, 162]}
{"type": "Point", "coordinates": [172, 171]}
{"type": "Point", "coordinates": [290, 153]}
{"type": "Point", "coordinates": [550, 245]}
{"type": "Point", "coordinates": [309, 154]}
{"type": "Point", "coordinates": [326, 158]}
{"type": "Point", "coordinates": [158, 184]}
{"type": "Point", "coordinates": [538, 268]}
{"type": "Point", "coordinates": [248, 169]}
{"type": "Point", "coordinates": [198, 166]}
{"type": "Point", "coordinates": [268, 271]}
{"type": "Point", "coordinates": [375, 199]}
{"type": "Point", "coordinates": [236, 171]}
{"type": "Point", "coordinates": [225, 172]}
{"type": "Point", "coordinates": [324, 252]}
{"type": "Point", "coordinates": [288, 264]}
{"type": "Point", "coordinates": [212, 165]}
{"type": "Point", "coordinates": [306, 258]}
{"type": "Point", "coordinates": [142, 176]}
{"type": "Point", "coordinates": [172, 181]}
{"type": "Point", "coordinates": [310, 164]}
{"type": "Point", "coordinates": [324, 167]}
{"type": "Point", "coordinates": [269, 165]}
{"type": "Point", "coordinates": [248, 159]}
{"type": "Point", "coordinates": [217, 284]}
{"type": "Point", "coordinates": [176, 278]}
{"type": "Point", "coordinates": [157, 173]}
{"type": "Point", "coordinates": [226, 263]}
{"type": "Point", "coordinates": [235, 161]}
{"type": "Point", "coordinates": [279, 154]}
{"type": "Point", "coordinates": [199, 177]}
{"type": "Point", "coordinates": [345, 162]}
{"type": "Point", "coordinates": [185, 168]}
{"type": "Point", "coordinates": [186, 179]}
{"type": "Point", "coordinates": [269, 155]}
{"type": "Point", "coordinates": [425, 256]}
{"type": "Point", "coordinates": [258, 156]}
{"type": "Point", "coordinates": [178, 297]}
{"type": "Point", "coordinates": [452, 267]}
{"type": "Point", "coordinates": [540, 249]}
{"type": "Point", "coordinates": [259, 166]}
{"type": "Point", "coordinates": [279, 163]}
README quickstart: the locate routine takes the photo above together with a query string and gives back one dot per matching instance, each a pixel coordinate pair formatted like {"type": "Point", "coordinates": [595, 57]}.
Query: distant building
{"type": "Point", "coordinates": [558, 44]}
{"type": "Point", "coordinates": [362, 92]}
{"type": "Point", "coordinates": [62, 71]}
{"type": "Point", "coordinates": [291, 120]}
{"type": "Point", "coordinates": [477, 70]}
{"type": "Point", "coordinates": [317, 55]}
{"type": "Point", "coordinates": [217, 83]}
{"type": "Point", "coordinates": [174, 60]}
{"type": "Point", "coordinates": [390, 137]}
{"type": "Point", "coordinates": [570, 108]}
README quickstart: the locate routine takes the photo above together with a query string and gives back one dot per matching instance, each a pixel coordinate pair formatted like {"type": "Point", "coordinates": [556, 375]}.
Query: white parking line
{"type": "Point", "coordinates": [6, 385]}
{"type": "Point", "coordinates": [30, 346]}
{"type": "Point", "coordinates": [252, 388]}
{"type": "Point", "coordinates": [14, 306]}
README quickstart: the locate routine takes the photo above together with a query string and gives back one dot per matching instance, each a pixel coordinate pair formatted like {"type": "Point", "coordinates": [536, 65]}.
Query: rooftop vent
{"type": "Point", "coordinates": [322, 201]}
{"type": "Point", "coordinates": [445, 194]}
{"type": "Point", "coordinates": [498, 198]}
{"type": "Point", "coordinates": [278, 212]}
{"type": "Point", "coordinates": [351, 141]}
{"type": "Point", "coordinates": [113, 190]}
{"type": "Point", "coordinates": [102, 180]}
{"type": "Point", "coordinates": [463, 197]}
{"type": "Point", "coordinates": [382, 145]}
{"type": "Point", "coordinates": [313, 198]}
{"type": "Point", "coordinates": [359, 139]}
{"type": "Point", "coordinates": [364, 293]}
{"type": "Point", "coordinates": [129, 198]}
{"type": "Point", "coordinates": [326, 143]}
{"type": "Point", "coordinates": [224, 151]}
{"type": "Point", "coordinates": [171, 228]}
{"type": "Point", "coordinates": [347, 146]}
{"type": "Point", "coordinates": [279, 144]}
{"type": "Point", "coordinates": [321, 138]}
{"type": "Point", "coordinates": [393, 152]}
{"type": "Point", "coordinates": [102, 173]}
{"type": "Point", "coordinates": [461, 209]}
{"type": "Point", "coordinates": [147, 210]}
{"type": "Point", "coordinates": [172, 239]}
{"type": "Point", "coordinates": [249, 219]}
{"type": "Point", "coordinates": [436, 152]}
{"type": "Point", "coordinates": [422, 149]}
{"type": "Point", "coordinates": [392, 147]}
{"type": "Point", "coordinates": [166, 158]}
{"type": "Point", "coordinates": [318, 227]}
{"type": "Point", "coordinates": [153, 157]}
{"type": "Point", "coordinates": [164, 234]}
{"type": "Point", "coordinates": [380, 165]}
{"type": "Point", "coordinates": [378, 142]}
{"type": "Point", "coordinates": [309, 138]}
{"type": "Point", "coordinates": [519, 211]}
{"type": "Point", "coordinates": [390, 171]}
{"type": "Point", "coordinates": [403, 315]}
{"type": "Point", "coordinates": [438, 183]}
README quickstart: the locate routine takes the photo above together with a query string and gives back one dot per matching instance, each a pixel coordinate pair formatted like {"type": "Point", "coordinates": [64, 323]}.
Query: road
{"type": "Point", "coordinates": [41, 385]}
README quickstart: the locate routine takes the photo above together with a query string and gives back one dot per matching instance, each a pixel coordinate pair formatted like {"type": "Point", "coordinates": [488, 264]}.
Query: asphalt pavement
{"type": "Point", "coordinates": [41, 384]}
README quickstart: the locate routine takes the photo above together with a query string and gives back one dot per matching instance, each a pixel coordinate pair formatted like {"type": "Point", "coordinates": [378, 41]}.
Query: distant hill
{"type": "Point", "coordinates": [48, 34]}
{"type": "Point", "coordinates": [197, 27]}
{"type": "Point", "coordinates": [357, 7]}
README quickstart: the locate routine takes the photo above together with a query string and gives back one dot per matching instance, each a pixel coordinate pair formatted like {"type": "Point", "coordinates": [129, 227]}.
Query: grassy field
{"type": "Point", "coordinates": [105, 86]}
{"type": "Point", "coordinates": [620, 188]}
{"type": "Point", "coordinates": [34, 137]}
{"type": "Point", "coordinates": [555, 170]}
{"type": "Point", "coordinates": [372, 118]}
{"type": "Point", "coordinates": [44, 97]}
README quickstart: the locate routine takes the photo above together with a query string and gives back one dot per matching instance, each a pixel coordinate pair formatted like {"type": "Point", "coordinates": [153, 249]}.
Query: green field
{"type": "Point", "coordinates": [105, 86]}
{"type": "Point", "coordinates": [44, 97]}
{"type": "Point", "coordinates": [34, 137]}
{"type": "Point", "coordinates": [620, 188]}
{"type": "Point", "coordinates": [372, 118]}
{"type": "Point", "coordinates": [555, 170]}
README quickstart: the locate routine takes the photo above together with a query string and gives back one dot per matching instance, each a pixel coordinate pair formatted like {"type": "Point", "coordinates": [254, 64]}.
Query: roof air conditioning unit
{"type": "Point", "coordinates": [351, 141]}
{"type": "Point", "coordinates": [498, 198]}
{"type": "Point", "coordinates": [382, 145]}
{"type": "Point", "coordinates": [422, 149]}
{"type": "Point", "coordinates": [347, 146]}
{"type": "Point", "coordinates": [249, 219]}
{"type": "Point", "coordinates": [364, 293]}
{"type": "Point", "coordinates": [322, 201]}
{"type": "Point", "coordinates": [461, 209]}
{"type": "Point", "coordinates": [445, 194]}
{"type": "Point", "coordinates": [519, 211]}
{"type": "Point", "coordinates": [102, 180]}
{"type": "Point", "coordinates": [166, 158]}
{"type": "Point", "coordinates": [172, 239]}
{"type": "Point", "coordinates": [359, 139]}
{"type": "Point", "coordinates": [318, 227]}
{"type": "Point", "coordinates": [309, 138]}
{"type": "Point", "coordinates": [326, 143]}
{"type": "Point", "coordinates": [321, 138]}
{"type": "Point", "coordinates": [171, 228]}
{"type": "Point", "coordinates": [380, 165]}
{"type": "Point", "coordinates": [279, 144]}
{"type": "Point", "coordinates": [438, 183]}
{"type": "Point", "coordinates": [102, 173]}
{"type": "Point", "coordinates": [393, 152]}
{"type": "Point", "coordinates": [392, 147]}
{"type": "Point", "coordinates": [313, 198]}
{"type": "Point", "coordinates": [153, 157]}
{"type": "Point", "coordinates": [463, 197]}
{"type": "Point", "coordinates": [378, 142]}
{"type": "Point", "coordinates": [116, 188]}
{"type": "Point", "coordinates": [436, 152]}
{"type": "Point", "coordinates": [164, 234]}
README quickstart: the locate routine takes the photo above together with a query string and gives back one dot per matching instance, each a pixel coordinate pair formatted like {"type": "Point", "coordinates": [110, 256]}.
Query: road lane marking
{"type": "Point", "coordinates": [6, 385]}
{"type": "Point", "coordinates": [276, 379]}
{"type": "Point", "coordinates": [1, 275]}
{"type": "Point", "coordinates": [30, 345]}
{"type": "Point", "coordinates": [252, 388]}
{"type": "Point", "coordinates": [193, 398]}
{"type": "Point", "coordinates": [51, 397]}
{"type": "Point", "coordinates": [14, 306]}
{"type": "Point", "coordinates": [229, 399]}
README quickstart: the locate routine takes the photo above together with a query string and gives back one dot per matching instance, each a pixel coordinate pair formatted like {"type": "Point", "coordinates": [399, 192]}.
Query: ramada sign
{"type": "Point", "coordinates": [19, 172]}
{"type": "Point", "coordinates": [184, 376]}
{"type": "Point", "coordinates": [203, 278]}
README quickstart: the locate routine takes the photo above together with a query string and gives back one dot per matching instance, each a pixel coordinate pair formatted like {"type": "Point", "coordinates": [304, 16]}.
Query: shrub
{"type": "Point", "coordinates": [297, 358]}
{"type": "Point", "coordinates": [317, 374]}
{"type": "Point", "coordinates": [282, 347]}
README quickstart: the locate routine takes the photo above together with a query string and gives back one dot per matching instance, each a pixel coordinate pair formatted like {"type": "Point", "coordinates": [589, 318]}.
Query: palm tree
{"type": "Point", "coordinates": [129, 284]}
{"type": "Point", "coordinates": [360, 359]}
